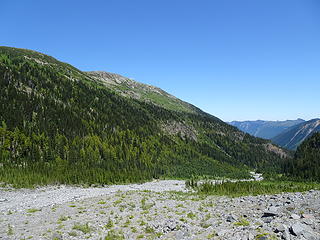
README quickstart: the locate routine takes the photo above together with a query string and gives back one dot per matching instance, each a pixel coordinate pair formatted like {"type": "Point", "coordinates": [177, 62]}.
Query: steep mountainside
{"type": "Point", "coordinates": [59, 124]}
{"type": "Point", "coordinates": [143, 92]}
{"type": "Point", "coordinates": [265, 129]}
{"type": "Point", "coordinates": [306, 162]}
{"type": "Point", "coordinates": [292, 137]}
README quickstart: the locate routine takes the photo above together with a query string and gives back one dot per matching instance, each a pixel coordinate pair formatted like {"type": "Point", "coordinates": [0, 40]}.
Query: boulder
{"type": "Point", "coordinates": [311, 235]}
{"type": "Point", "coordinates": [295, 216]}
{"type": "Point", "coordinates": [298, 228]}
{"type": "Point", "coordinates": [267, 219]}
{"type": "Point", "coordinates": [271, 212]}
{"type": "Point", "coordinates": [281, 228]}
{"type": "Point", "coordinates": [286, 235]}
{"type": "Point", "coordinates": [231, 218]}
{"type": "Point", "coordinates": [307, 216]}
{"type": "Point", "coordinates": [222, 232]}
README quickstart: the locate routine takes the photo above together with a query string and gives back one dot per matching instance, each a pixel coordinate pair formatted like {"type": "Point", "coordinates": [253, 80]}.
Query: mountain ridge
{"type": "Point", "coordinates": [60, 124]}
{"type": "Point", "coordinates": [292, 137]}
{"type": "Point", "coordinates": [265, 129]}
{"type": "Point", "coordinates": [141, 91]}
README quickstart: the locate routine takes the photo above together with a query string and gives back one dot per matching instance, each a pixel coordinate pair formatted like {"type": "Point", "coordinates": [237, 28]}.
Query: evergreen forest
{"type": "Point", "coordinates": [58, 125]}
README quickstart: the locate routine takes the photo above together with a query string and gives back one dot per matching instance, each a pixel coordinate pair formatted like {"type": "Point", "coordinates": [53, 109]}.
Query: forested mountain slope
{"type": "Point", "coordinates": [59, 124]}
{"type": "Point", "coordinates": [306, 162]}
{"type": "Point", "coordinates": [265, 129]}
{"type": "Point", "coordinates": [294, 136]}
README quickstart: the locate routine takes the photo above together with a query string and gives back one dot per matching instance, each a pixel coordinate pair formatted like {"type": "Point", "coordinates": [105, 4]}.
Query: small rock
{"type": "Point", "coordinates": [298, 228]}
{"type": "Point", "coordinates": [311, 235]}
{"type": "Point", "coordinates": [295, 216]}
{"type": "Point", "coordinates": [231, 218]}
{"type": "Point", "coordinates": [221, 232]}
{"type": "Point", "coordinates": [179, 234]}
{"type": "Point", "coordinates": [281, 228]}
{"type": "Point", "coordinates": [56, 236]}
{"type": "Point", "coordinates": [286, 235]}
{"type": "Point", "coordinates": [307, 216]}
{"type": "Point", "coordinates": [272, 211]}
{"type": "Point", "coordinates": [267, 219]}
{"type": "Point", "coordinates": [261, 237]}
{"type": "Point", "coordinates": [308, 221]}
{"type": "Point", "coordinates": [250, 236]}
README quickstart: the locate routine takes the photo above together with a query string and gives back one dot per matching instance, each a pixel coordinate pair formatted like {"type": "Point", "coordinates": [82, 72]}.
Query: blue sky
{"type": "Point", "coordinates": [238, 60]}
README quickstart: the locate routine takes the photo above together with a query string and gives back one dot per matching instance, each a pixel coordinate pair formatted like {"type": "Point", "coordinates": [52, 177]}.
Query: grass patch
{"type": "Point", "coordinates": [242, 222]}
{"type": "Point", "coordinates": [236, 189]}
{"type": "Point", "coordinates": [146, 206]}
{"type": "Point", "coordinates": [191, 215]}
{"type": "Point", "coordinates": [149, 229]}
{"type": "Point", "coordinates": [85, 228]}
{"type": "Point", "coordinates": [62, 219]}
{"type": "Point", "coordinates": [33, 210]}
{"type": "Point", "coordinates": [72, 234]}
{"type": "Point", "coordinates": [114, 235]}
{"type": "Point", "coordinates": [109, 224]}
{"type": "Point", "coordinates": [10, 230]}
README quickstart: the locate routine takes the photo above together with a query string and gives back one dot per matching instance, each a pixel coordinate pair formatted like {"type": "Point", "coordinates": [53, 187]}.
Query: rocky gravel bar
{"type": "Point", "coordinates": [157, 210]}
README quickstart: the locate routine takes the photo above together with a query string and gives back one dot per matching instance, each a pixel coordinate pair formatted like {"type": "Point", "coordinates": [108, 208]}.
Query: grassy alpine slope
{"type": "Point", "coordinates": [61, 125]}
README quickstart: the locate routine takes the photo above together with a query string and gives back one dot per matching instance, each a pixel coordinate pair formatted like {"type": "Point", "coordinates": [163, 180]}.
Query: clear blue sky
{"type": "Point", "coordinates": [237, 60]}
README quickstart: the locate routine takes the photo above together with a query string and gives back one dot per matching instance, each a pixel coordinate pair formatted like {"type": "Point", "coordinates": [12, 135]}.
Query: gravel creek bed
{"type": "Point", "coordinates": [156, 210]}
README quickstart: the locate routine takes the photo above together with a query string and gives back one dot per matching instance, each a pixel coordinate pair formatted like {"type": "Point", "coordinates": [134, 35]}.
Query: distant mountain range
{"type": "Point", "coordinates": [265, 129]}
{"type": "Point", "coordinates": [288, 134]}
{"type": "Point", "coordinates": [294, 136]}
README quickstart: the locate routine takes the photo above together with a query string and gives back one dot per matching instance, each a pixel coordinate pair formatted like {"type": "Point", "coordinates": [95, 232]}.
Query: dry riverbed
{"type": "Point", "coordinates": [155, 210]}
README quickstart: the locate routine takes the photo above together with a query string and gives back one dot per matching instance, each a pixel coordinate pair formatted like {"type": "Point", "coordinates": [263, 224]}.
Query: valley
{"type": "Point", "coordinates": [159, 120]}
{"type": "Point", "coordinates": [75, 145]}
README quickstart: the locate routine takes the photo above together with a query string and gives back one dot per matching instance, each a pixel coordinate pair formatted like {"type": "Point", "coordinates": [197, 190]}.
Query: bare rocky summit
{"type": "Point", "coordinates": [150, 211]}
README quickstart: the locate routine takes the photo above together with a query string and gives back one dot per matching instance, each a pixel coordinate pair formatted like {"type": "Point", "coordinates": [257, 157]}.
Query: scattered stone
{"type": "Point", "coordinates": [261, 237]}
{"type": "Point", "coordinates": [271, 212]}
{"type": "Point", "coordinates": [221, 232]}
{"type": "Point", "coordinates": [308, 221]}
{"type": "Point", "coordinates": [281, 228]}
{"type": "Point", "coordinates": [311, 235]}
{"type": "Point", "coordinates": [267, 219]}
{"type": "Point", "coordinates": [307, 216]}
{"type": "Point", "coordinates": [295, 216]}
{"type": "Point", "coordinates": [298, 228]}
{"type": "Point", "coordinates": [56, 236]}
{"type": "Point", "coordinates": [170, 225]}
{"type": "Point", "coordinates": [231, 218]}
{"type": "Point", "coordinates": [286, 235]}
{"type": "Point", "coordinates": [250, 236]}
{"type": "Point", "coordinates": [213, 217]}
